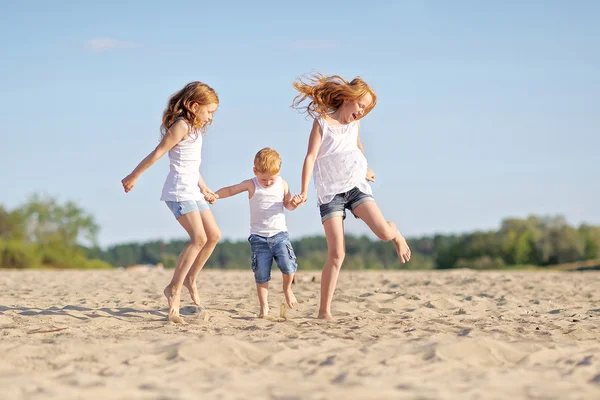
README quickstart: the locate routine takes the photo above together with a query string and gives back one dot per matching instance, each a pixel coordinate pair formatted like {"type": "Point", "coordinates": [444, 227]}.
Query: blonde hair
{"type": "Point", "coordinates": [180, 105]}
{"type": "Point", "coordinates": [267, 161]}
{"type": "Point", "coordinates": [327, 93]}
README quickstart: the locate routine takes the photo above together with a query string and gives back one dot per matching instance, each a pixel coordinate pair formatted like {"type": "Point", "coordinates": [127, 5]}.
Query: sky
{"type": "Point", "coordinates": [486, 110]}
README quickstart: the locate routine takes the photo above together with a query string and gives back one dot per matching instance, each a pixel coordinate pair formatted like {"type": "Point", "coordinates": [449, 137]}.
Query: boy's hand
{"type": "Point", "coordinates": [295, 201]}
{"type": "Point", "coordinates": [299, 199]}
{"type": "Point", "coordinates": [128, 182]}
{"type": "Point", "coordinates": [370, 175]}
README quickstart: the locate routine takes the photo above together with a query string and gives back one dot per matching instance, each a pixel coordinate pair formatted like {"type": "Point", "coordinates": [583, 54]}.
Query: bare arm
{"type": "Point", "coordinates": [174, 135]}
{"type": "Point", "coordinates": [287, 198]}
{"type": "Point", "coordinates": [370, 172]}
{"type": "Point", "coordinates": [202, 184]}
{"type": "Point", "coordinates": [314, 143]}
{"type": "Point", "coordinates": [359, 144]}
{"type": "Point", "coordinates": [245, 186]}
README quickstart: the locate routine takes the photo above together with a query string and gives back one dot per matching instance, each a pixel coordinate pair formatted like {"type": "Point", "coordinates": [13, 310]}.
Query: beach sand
{"type": "Point", "coordinates": [398, 335]}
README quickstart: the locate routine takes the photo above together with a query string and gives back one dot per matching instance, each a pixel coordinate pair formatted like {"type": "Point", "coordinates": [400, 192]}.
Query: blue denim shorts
{"type": "Point", "coordinates": [338, 205]}
{"type": "Point", "coordinates": [179, 208]}
{"type": "Point", "coordinates": [265, 249]}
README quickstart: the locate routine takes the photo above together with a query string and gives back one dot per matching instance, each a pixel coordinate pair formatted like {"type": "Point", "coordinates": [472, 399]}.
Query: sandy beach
{"type": "Point", "coordinates": [398, 335]}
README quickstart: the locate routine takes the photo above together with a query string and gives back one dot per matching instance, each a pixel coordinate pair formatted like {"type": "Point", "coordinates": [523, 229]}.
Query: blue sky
{"type": "Point", "coordinates": [486, 110]}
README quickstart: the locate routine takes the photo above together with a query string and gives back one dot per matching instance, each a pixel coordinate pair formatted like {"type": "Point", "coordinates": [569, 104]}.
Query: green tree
{"type": "Point", "coordinates": [591, 237]}
{"type": "Point", "coordinates": [48, 222]}
{"type": "Point", "coordinates": [11, 225]}
{"type": "Point", "coordinates": [523, 251]}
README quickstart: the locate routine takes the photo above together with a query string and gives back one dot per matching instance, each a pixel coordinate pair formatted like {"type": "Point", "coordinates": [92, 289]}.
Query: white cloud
{"type": "Point", "coordinates": [315, 44]}
{"type": "Point", "coordinates": [105, 44]}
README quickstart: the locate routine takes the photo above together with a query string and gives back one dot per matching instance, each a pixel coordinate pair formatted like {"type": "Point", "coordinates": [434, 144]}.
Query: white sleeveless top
{"type": "Point", "coordinates": [266, 209]}
{"type": "Point", "coordinates": [184, 163]}
{"type": "Point", "coordinates": [340, 165]}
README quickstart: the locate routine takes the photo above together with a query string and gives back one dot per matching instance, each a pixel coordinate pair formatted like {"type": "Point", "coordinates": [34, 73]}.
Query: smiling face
{"type": "Point", "coordinates": [352, 110]}
{"type": "Point", "coordinates": [204, 114]}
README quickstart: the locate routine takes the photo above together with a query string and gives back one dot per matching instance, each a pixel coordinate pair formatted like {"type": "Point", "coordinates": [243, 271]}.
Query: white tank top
{"type": "Point", "coordinates": [184, 163]}
{"type": "Point", "coordinates": [266, 209]}
{"type": "Point", "coordinates": [340, 165]}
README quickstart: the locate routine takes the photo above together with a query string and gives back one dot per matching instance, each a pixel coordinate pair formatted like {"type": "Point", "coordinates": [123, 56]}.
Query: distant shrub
{"type": "Point", "coordinates": [95, 264]}
{"type": "Point", "coordinates": [483, 262]}
{"type": "Point", "coordinates": [17, 254]}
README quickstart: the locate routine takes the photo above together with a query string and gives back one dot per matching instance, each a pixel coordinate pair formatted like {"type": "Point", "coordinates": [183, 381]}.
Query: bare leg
{"type": "Point", "coordinates": [213, 235]}
{"type": "Point", "coordinates": [290, 299]}
{"type": "Point", "coordinates": [385, 230]}
{"type": "Point", "coordinates": [263, 292]}
{"type": "Point", "coordinates": [334, 233]}
{"type": "Point", "coordinates": [192, 223]}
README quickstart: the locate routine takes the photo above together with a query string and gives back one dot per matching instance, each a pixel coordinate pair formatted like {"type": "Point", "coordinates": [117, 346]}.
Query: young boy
{"type": "Point", "coordinates": [268, 194]}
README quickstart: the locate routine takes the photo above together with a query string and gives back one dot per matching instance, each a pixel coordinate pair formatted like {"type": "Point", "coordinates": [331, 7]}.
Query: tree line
{"type": "Point", "coordinates": [538, 241]}
{"type": "Point", "coordinates": [43, 232]}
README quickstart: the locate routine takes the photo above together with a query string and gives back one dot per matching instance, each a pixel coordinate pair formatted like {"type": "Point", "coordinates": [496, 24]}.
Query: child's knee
{"type": "Point", "coordinates": [336, 257]}
{"type": "Point", "coordinates": [213, 237]}
{"type": "Point", "coordinates": [262, 272]}
{"type": "Point", "coordinates": [261, 278]}
{"type": "Point", "coordinates": [199, 240]}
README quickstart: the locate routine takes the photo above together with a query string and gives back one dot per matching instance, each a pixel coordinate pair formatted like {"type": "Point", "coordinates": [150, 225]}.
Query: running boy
{"type": "Point", "coordinates": [268, 195]}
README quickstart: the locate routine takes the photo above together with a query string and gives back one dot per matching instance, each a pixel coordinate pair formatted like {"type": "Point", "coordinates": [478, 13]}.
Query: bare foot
{"type": "Point", "coordinates": [173, 296]}
{"type": "Point", "coordinates": [191, 287]}
{"type": "Point", "coordinates": [290, 299]}
{"type": "Point", "coordinates": [326, 316]}
{"type": "Point", "coordinates": [264, 311]}
{"type": "Point", "coordinates": [176, 318]}
{"type": "Point", "coordinates": [402, 248]}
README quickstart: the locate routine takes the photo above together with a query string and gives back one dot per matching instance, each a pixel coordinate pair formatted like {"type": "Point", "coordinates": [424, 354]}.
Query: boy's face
{"type": "Point", "coordinates": [265, 179]}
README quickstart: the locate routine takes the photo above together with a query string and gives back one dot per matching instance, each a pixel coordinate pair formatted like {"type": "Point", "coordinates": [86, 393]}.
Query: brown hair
{"type": "Point", "coordinates": [180, 105]}
{"type": "Point", "coordinates": [267, 161]}
{"type": "Point", "coordinates": [327, 93]}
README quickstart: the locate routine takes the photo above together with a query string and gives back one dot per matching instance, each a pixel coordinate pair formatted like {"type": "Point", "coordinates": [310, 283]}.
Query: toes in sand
{"type": "Point", "coordinates": [264, 311]}
{"type": "Point", "coordinates": [290, 299]}
{"type": "Point", "coordinates": [191, 287]}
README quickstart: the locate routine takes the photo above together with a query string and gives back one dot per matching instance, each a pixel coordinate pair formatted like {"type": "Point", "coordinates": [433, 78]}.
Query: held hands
{"type": "Point", "coordinates": [209, 195]}
{"type": "Point", "coordinates": [128, 182]}
{"type": "Point", "coordinates": [370, 175]}
{"type": "Point", "coordinates": [299, 199]}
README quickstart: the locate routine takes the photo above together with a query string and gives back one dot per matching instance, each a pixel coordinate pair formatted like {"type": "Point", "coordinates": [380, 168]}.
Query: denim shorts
{"type": "Point", "coordinates": [265, 249]}
{"type": "Point", "coordinates": [179, 208]}
{"type": "Point", "coordinates": [337, 206]}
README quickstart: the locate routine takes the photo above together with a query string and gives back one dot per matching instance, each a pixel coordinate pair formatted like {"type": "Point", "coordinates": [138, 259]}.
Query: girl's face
{"type": "Point", "coordinates": [204, 114]}
{"type": "Point", "coordinates": [352, 110]}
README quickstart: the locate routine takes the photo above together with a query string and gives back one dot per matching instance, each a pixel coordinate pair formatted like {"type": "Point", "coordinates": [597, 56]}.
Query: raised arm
{"type": "Point", "coordinates": [174, 135]}
{"type": "Point", "coordinates": [245, 186]}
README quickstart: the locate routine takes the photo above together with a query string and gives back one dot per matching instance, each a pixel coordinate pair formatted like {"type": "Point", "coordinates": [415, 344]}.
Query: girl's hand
{"type": "Point", "coordinates": [211, 198]}
{"type": "Point", "coordinates": [370, 175]}
{"type": "Point", "coordinates": [128, 182]}
{"type": "Point", "coordinates": [299, 199]}
{"type": "Point", "coordinates": [209, 195]}
{"type": "Point", "coordinates": [296, 201]}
